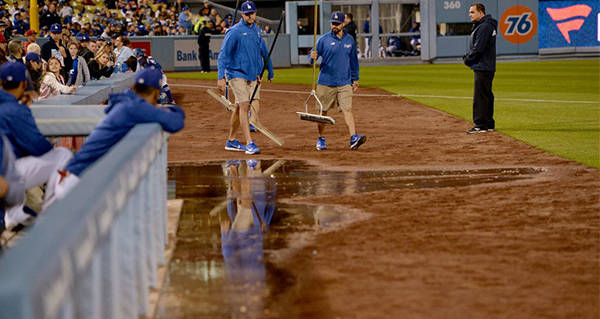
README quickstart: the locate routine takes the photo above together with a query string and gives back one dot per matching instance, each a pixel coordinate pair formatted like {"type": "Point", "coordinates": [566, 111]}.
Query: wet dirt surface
{"type": "Point", "coordinates": [519, 248]}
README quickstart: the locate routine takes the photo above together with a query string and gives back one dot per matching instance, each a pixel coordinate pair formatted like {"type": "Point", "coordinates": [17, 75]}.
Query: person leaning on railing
{"type": "Point", "coordinates": [101, 66]}
{"type": "Point", "coordinates": [125, 110]}
{"type": "Point", "coordinates": [53, 82]}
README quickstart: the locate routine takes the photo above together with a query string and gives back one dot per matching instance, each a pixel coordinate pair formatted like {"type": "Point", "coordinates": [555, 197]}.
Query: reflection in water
{"type": "Point", "coordinates": [233, 220]}
{"type": "Point", "coordinates": [250, 208]}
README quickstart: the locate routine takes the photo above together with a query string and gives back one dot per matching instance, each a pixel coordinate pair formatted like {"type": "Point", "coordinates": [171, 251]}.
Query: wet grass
{"type": "Point", "coordinates": [552, 105]}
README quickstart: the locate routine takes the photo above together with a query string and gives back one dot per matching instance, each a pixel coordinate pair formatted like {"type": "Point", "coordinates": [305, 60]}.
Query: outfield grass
{"type": "Point", "coordinates": [567, 129]}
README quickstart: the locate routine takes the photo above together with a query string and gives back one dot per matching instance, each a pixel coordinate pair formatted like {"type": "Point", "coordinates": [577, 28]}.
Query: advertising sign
{"type": "Point", "coordinates": [518, 24]}
{"type": "Point", "coordinates": [144, 45]}
{"type": "Point", "coordinates": [186, 53]}
{"type": "Point", "coordinates": [569, 23]}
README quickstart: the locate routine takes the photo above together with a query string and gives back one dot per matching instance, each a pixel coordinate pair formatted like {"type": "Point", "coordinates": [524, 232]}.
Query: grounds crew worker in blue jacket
{"type": "Point", "coordinates": [339, 70]}
{"type": "Point", "coordinates": [241, 60]}
{"type": "Point", "coordinates": [37, 161]}
{"type": "Point", "coordinates": [481, 58]}
{"type": "Point", "coordinates": [133, 106]}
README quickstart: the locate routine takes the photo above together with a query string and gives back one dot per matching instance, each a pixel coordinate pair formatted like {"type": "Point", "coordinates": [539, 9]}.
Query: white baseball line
{"type": "Point", "coordinates": [409, 95]}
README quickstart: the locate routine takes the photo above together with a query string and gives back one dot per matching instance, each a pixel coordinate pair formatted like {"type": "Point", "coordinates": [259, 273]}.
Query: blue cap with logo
{"type": "Point", "coordinates": [13, 72]}
{"type": "Point", "coordinates": [56, 28]}
{"type": "Point", "coordinates": [32, 56]}
{"type": "Point", "coordinates": [248, 7]}
{"type": "Point", "coordinates": [149, 76]}
{"type": "Point", "coordinates": [337, 17]}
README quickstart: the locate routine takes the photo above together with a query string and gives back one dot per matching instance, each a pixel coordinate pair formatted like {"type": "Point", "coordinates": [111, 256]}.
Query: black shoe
{"type": "Point", "coordinates": [476, 129]}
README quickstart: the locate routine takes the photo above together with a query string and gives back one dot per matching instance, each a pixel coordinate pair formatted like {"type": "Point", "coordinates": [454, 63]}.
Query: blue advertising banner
{"type": "Point", "coordinates": [569, 23]}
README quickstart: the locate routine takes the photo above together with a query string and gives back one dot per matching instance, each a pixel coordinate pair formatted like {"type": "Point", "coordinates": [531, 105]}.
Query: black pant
{"type": "Point", "coordinates": [483, 100]}
{"type": "Point", "coordinates": [204, 58]}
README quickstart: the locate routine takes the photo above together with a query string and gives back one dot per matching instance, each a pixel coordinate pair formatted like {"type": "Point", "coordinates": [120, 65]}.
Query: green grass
{"type": "Point", "coordinates": [567, 129]}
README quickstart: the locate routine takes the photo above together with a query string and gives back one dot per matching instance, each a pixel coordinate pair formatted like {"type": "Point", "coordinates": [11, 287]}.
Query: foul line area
{"type": "Point", "coordinates": [406, 95]}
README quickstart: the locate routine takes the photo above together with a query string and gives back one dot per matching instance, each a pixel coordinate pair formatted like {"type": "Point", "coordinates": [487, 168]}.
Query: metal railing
{"type": "Point", "coordinates": [95, 253]}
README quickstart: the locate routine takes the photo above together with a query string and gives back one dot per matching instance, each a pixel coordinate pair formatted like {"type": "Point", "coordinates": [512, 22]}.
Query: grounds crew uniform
{"type": "Point", "coordinates": [338, 71]}
{"type": "Point", "coordinates": [37, 161]}
{"type": "Point", "coordinates": [241, 60]}
{"type": "Point", "coordinates": [124, 111]}
{"type": "Point", "coordinates": [481, 58]}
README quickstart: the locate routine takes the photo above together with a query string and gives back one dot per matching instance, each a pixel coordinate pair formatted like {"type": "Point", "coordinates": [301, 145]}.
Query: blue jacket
{"type": "Point", "coordinates": [243, 53]}
{"type": "Point", "coordinates": [124, 111]}
{"type": "Point", "coordinates": [339, 64]}
{"type": "Point", "coordinates": [17, 123]}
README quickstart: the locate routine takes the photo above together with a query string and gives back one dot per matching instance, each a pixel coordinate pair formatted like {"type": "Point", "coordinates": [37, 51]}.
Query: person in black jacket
{"type": "Point", "coordinates": [101, 66]}
{"type": "Point", "coordinates": [350, 26]}
{"type": "Point", "coordinates": [204, 44]}
{"type": "Point", "coordinates": [55, 47]}
{"type": "Point", "coordinates": [481, 58]}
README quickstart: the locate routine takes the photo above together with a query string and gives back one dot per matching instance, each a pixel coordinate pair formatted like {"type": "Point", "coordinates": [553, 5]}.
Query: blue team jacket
{"type": "Point", "coordinates": [124, 111]}
{"type": "Point", "coordinates": [242, 53]}
{"type": "Point", "coordinates": [17, 123]}
{"type": "Point", "coordinates": [339, 64]}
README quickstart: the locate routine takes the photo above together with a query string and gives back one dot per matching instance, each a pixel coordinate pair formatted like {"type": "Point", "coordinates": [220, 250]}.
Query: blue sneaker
{"type": "Point", "coordinates": [356, 141]}
{"type": "Point", "coordinates": [321, 144]}
{"type": "Point", "coordinates": [234, 146]}
{"type": "Point", "coordinates": [252, 164]}
{"type": "Point", "coordinates": [251, 148]}
{"type": "Point", "coordinates": [252, 128]}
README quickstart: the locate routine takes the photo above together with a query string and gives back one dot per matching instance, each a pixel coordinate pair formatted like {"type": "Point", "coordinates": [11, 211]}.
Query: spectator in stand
{"type": "Point", "coordinates": [34, 66]}
{"type": "Point", "coordinates": [179, 5]}
{"type": "Point", "coordinates": [215, 17]}
{"type": "Point", "coordinates": [19, 25]}
{"type": "Point", "coordinates": [79, 74]}
{"type": "Point", "coordinates": [31, 37]}
{"type": "Point", "coordinates": [15, 51]}
{"type": "Point", "coordinates": [301, 28]}
{"type": "Point", "coordinates": [49, 17]}
{"type": "Point", "coordinates": [35, 48]}
{"type": "Point", "coordinates": [267, 29]}
{"type": "Point", "coordinates": [122, 50]}
{"type": "Point", "coordinates": [3, 48]}
{"type": "Point", "coordinates": [101, 66]}
{"type": "Point", "coordinates": [66, 10]}
{"type": "Point", "coordinates": [53, 82]}
{"type": "Point", "coordinates": [54, 48]}
{"type": "Point", "coordinates": [185, 21]}
{"type": "Point", "coordinates": [350, 26]}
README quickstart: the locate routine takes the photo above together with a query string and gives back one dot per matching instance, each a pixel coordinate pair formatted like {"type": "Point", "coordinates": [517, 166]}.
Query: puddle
{"type": "Point", "coordinates": [235, 217]}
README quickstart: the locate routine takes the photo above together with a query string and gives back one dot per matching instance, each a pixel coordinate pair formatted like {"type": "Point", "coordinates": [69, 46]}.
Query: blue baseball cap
{"type": "Point", "coordinates": [56, 28]}
{"type": "Point", "coordinates": [248, 7]}
{"type": "Point", "coordinates": [138, 52]}
{"type": "Point", "coordinates": [13, 72]}
{"type": "Point", "coordinates": [32, 56]}
{"type": "Point", "coordinates": [149, 76]}
{"type": "Point", "coordinates": [337, 17]}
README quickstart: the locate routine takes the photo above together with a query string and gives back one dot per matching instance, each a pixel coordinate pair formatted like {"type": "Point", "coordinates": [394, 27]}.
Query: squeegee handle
{"type": "Point", "coordinates": [314, 62]}
{"type": "Point", "coordinates": [268, 56]}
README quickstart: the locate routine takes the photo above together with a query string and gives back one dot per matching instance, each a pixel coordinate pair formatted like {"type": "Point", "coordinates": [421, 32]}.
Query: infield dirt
{"type": "Point", "coordinates": [520, 249]}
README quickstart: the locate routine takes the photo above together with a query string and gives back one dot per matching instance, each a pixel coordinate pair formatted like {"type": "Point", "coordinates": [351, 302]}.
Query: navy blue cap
{"type": "Point", "coordinates": [337, 17]}
{"type": "Point", "coordinates": [13, 71]}
{"type": "Point", "coordinates": [248, 7]}
{"type": "Point", "coordinates": [56, 28]}
{"type": "Point", "coordinates": [138, 52]}
{"type": "Point", "coordinates": [32, 56]}
{"type": "Point", "coordinates": [149, 76]}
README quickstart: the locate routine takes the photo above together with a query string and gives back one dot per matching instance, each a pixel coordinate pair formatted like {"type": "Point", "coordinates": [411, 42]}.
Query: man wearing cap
{"type": "Point", "coordinates": [185, 20]}
{"type": "Point", "coordinates": [338, 76]}
{"type": "Point", "coordinates": [241, 60]}
{"type": "Point", "coordinates": [37, 161]}
{"type": "Point", "coordinates": [49, 17]}
{"type": "Point", "coordinates": [33, 62]}
{"type": "Point", "coordinates": [31, 37]}
{"type": "Point", "coordinates": [133, 106]}
{"type": "Point", "coordinates": [55, 43]}
{"type": "Point", "coordinates": [147, 61]}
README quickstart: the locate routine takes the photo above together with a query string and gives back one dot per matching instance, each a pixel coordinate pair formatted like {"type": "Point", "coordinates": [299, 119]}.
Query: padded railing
{"type": "Point", "coordinates": [95, 253]}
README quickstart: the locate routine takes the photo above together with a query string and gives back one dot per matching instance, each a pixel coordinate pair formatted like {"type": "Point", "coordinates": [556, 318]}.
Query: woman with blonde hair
{"type": "Point", "coordinates": [53, 82]}
{"type": "Point", "coordinates": [101, 66]}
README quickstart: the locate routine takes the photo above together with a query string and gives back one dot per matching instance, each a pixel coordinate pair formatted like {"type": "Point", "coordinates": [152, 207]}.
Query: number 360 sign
{"type": "Point", "coordinates": [518, 24]}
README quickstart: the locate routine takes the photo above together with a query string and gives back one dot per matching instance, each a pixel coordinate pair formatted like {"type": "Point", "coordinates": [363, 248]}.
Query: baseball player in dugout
{"type": "Point", "coordinates": [338, 76]}
{"type": "Point", "coordinates": [37, 160]}
{"type": "Point", "coordinates": [481, 58]}
{"type": "Point", "coordinates": [241, 62]}
{"type": "Point", "coordinates": [133, 106]}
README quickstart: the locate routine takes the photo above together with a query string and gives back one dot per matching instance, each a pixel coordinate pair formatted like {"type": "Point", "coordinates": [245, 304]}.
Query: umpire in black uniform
{"type": "Point", "coordinates": [481, 58]}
